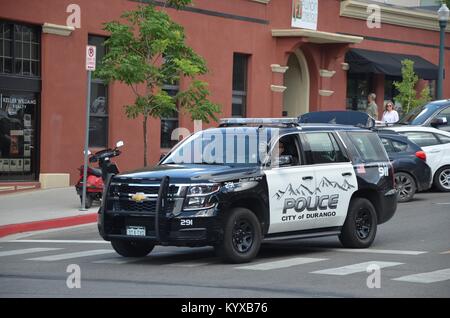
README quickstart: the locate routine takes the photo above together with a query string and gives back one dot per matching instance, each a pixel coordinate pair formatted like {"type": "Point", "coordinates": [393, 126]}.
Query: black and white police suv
{"type": "Point", "coordinates": [249, 181]}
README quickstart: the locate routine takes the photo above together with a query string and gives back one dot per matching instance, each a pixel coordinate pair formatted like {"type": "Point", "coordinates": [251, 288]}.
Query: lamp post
{"type": "Point", "coordinates": [443, 14]}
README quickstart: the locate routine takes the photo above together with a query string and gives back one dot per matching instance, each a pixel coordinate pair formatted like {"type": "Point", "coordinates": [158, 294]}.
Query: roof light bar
{"type": "Point", "coordinates": [259, 121]}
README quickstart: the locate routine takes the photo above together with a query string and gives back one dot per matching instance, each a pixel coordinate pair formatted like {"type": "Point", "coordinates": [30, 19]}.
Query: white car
{"type": "Point", "coordinates": [436, 145]}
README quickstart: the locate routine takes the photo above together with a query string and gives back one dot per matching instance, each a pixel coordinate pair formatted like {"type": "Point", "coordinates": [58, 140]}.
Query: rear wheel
{"type": "Point", "coordinates": [405, 185]}
{"type": "Point", "coordinates": [442, 179]}
{"type": "Point", "coordinates": [242, 237]}
{"type": "Point", "coordinates": [132, 248]}
{"type": "Point", "coordinates": [360, 226]}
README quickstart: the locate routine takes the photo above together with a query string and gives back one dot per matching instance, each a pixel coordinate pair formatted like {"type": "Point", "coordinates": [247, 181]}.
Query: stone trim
{"type": "Point", "coordinates": [317, 36]}
{"type": "Point", "coordinates": [276, 68]}
{"type": "Point", "coordinates": [57, 29]}
{"type": "Point", "coordinates": [278, 88]}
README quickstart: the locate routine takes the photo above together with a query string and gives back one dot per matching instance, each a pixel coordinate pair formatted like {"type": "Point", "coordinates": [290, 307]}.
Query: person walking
{"type": "Point", "coordinates": [390, 115]}
{"type": "Point", "coordinates": [372, 108]}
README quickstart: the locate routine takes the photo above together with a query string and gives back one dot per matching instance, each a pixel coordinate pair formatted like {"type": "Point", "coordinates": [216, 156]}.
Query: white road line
{"type": "Point", "coordinates": [59, 241]}
{"type": "Point", "coordinates": [375, 251]}
{"type": "Point", "coordinates": [426, 278]}
{"type": "Point", "coordinates": [125, 260]}
{"type": "Point", "coordinates": [355, 268]}
{"type": "Point", "coordinates": [281, 264]}
{"type": "Point", "coordinates": [60, 257]}
{"type": "Point", "coordinates": [28, 250]}
{"type": "Point", "coordinates": [447, 252]}
{"type": "Point", "coordinates": [200, 262]}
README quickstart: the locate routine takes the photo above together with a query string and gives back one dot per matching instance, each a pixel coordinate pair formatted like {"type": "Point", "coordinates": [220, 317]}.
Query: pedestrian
{"type": "Point", "coordinates": [372, 108]}
{"type": "Point", "coordinates": [390, 115]}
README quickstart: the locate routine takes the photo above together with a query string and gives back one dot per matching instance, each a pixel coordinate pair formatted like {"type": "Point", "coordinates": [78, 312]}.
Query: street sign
{"type": "Point", "coordinates": [90, 58]}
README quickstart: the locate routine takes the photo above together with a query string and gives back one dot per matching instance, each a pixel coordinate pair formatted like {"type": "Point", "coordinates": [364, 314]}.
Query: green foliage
{"type": "Point", "coordinates": [147, 50]}
{"type": "Point", "coordinates": [407, 96]}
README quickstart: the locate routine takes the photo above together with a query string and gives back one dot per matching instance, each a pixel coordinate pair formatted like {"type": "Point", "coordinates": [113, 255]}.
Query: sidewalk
{"type": "Point", "coordinates": [41, 210]}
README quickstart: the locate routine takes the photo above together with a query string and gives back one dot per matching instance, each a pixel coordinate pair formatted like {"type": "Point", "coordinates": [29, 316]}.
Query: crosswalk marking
{"type": "Point", "coordinates": [426, 278]}
{"type": "Point", "coordinates": [60, 257]}
{"type": "Point", "coordinates": [355, 268]}
{"type": "Point", "coordinates": [125, 260]}
{"type": "Point", "coordinates": [375, 251]}
{"type": "Point", "coordinates": [60, 241]}
{"type": "Point", "coordinates": [28, 251]}
{"type": "Point", "coordinates": [281, 263]}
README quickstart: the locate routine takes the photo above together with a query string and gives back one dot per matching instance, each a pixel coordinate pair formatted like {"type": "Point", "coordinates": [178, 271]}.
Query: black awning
{"type": "Point", "coordinates": [365, 61]}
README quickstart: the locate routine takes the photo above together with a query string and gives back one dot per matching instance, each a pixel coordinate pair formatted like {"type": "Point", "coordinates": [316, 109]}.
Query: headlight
{"type": "Point", "coordinates": [199, 196]}
{"type": "Point", "coordinates": [202, 189]}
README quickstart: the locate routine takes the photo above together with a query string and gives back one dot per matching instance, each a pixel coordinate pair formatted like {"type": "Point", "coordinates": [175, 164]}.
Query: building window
{"type": "Point", "coordinates": [98, 123]}
{"type": "Point", "coordinates": [239, 98]}
{"type": "Point", "coordinates": [19, 50]}
{"type": "Point", "coordinates": [168, 124]}
{"type": "Point", "coordinates": [359, 86]}
{"type": "Point", "coordinates": [389, 89]}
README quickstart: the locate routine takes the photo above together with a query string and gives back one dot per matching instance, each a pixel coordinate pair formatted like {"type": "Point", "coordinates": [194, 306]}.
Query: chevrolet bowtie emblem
{"type": "Point", "coordinates": [138, 197]}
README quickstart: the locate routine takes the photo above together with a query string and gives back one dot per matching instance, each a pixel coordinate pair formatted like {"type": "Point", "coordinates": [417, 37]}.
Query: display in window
{"type": "Point", "coordinates": [27, 165]}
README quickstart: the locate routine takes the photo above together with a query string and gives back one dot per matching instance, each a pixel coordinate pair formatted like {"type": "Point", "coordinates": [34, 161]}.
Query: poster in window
{"type": "Point", "coordinates": [13, 165]}
{"type": "Point", "coordinates": [14, 145]}
{"type": "Point", "coordinates": [5, 165]}
{"type": "Point", "coordinates": [26, 165]}
{"type": "Point", "coordinates": [304, 14]}
{"type": "Point", "coordinates": [26, 150]}
{"type": "Point", "coordinates": [27, 120]}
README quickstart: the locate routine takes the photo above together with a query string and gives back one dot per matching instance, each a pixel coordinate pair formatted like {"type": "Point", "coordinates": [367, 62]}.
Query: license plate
{"type": "Point", "coordinates": [135, 230]}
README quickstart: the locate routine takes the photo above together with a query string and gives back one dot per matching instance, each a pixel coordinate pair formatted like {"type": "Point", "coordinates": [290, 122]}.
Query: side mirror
{"type": "Point", "coordinates": [439, 121]}
{"type": "Point", "coordinates": [283, 161]}
{"type": "Point", "coordinates": [119, 144]}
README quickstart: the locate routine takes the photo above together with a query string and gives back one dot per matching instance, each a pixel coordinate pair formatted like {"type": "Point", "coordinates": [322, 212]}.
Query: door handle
{"type": "Point", "coordinates": [347, 174]}
{"type": "Point", "coordinates": [307, 178]}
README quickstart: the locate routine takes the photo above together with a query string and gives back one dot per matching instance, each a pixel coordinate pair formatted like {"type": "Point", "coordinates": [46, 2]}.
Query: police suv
{"type": "Point", "coordinates": [249, 181]}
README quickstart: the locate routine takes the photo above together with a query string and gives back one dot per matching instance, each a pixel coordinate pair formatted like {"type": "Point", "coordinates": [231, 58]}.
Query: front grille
{"type": "Point", "coordinates": [146, 206]}
{"type": "Point", "coordinates": [124, 189]}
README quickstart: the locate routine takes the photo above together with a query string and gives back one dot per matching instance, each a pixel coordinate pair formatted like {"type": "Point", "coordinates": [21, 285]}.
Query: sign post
{"type": "Point", "coordinates": [90, 66]}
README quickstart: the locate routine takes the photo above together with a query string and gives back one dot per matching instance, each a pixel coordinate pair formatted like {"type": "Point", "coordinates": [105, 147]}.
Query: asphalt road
{"type": "Point", "coordinates": [412, 250]}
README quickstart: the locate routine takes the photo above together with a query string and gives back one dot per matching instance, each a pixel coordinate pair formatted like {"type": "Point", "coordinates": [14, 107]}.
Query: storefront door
{"type": "Point", "coordinates": [18, 136]}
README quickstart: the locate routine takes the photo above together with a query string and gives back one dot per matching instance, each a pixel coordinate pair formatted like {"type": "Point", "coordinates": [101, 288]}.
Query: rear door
{"type": "Point", "coordinates": [335, 180]}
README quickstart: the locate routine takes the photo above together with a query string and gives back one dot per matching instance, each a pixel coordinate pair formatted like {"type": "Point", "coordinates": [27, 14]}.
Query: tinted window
{"type": "Point", "coordinates": [323, 148]}
{"type": "Point", "coordinates": [443, 139]}
{"type": "Point", "coordinates": [387, 145]}
{"type": "Point", "coordinates": [422, 139]}
{"type": "Point", "coordinates": [399, 146]}
{"type": "Point", "coordinates": [366, 147]}
{"type": "Point", "coordinates": [445, 113]}
{"type": "Point", "coordinates": [419, 115]}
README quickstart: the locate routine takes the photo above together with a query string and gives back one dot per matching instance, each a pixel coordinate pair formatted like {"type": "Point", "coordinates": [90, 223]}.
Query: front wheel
{"type": "Point", "coordinates": [241, 238]}
{"type": "Point", "coordinates": [360, 226]}
{"type": "Point", "coordinates": [442, 179]}
{"type": "Point", "coordinates": [132, 248]}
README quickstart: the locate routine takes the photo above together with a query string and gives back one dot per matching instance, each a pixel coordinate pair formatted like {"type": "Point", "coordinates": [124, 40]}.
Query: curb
{"type": "Point", "coordinates": [10, 229]}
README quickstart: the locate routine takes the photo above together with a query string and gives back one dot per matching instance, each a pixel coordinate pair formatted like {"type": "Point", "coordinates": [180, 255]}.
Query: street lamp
{"type": "Point", "coordinates": [443, 14]}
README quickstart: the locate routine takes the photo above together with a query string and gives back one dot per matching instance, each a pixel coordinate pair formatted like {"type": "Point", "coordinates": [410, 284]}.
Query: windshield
{"type": "Point", "coordinates": [222, 147]}
{"type": "Point", "coordinates": [418, 115]}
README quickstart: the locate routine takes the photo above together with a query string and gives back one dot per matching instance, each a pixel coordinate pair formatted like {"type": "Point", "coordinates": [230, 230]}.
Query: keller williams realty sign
{"type": "Point", "coordinates": [304, 14]}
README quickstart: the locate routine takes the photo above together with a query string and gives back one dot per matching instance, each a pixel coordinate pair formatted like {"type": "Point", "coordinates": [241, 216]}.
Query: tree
{"type": "Point", "coordinates": [149, 51]}
{"type": "Point", "coordinates": [407, 96]}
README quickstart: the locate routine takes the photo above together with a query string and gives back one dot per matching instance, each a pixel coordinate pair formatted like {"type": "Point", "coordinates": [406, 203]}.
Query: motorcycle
{"type": "Point", "coordinates": [96, 177]}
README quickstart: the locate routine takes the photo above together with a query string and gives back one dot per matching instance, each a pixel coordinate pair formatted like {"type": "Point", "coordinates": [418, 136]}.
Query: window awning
{"type": "Point", "coordinates": [365, 61]}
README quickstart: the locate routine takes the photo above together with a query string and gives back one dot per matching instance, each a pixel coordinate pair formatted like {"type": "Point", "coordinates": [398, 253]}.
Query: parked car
{"type": "Point", "coordinates": [412, 173]}
{"type": "Point", "coordinates": [435, 114]}
{"type": "Point", "coordinates": [436, 145]}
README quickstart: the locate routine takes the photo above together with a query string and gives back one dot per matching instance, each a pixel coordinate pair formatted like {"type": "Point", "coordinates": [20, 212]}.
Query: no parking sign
{"type": "Point", "coordinates": [90, 57]}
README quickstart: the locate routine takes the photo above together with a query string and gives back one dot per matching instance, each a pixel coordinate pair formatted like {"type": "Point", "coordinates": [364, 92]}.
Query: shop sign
{"type": "Point", "coordinates": [304, 14]}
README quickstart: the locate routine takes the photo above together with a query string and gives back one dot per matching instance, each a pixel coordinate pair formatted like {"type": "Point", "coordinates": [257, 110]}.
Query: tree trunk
{"type": "Point", "coordinates": [145, 140]}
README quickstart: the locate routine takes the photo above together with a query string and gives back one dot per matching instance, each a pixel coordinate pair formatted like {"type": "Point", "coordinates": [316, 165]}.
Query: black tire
{"type": "Point", "coordinates": [132, 248]}
{"type": "Point", "coordinates": [242, 237]}
{"type": "Point", "coordinates": [89, 200]}
{"type": "Point", "coordinates": [406, 186]}
{"type": "Point", "coordinates": [360, 226]}
{"type": "Point", "coordinates": [442, 179]}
